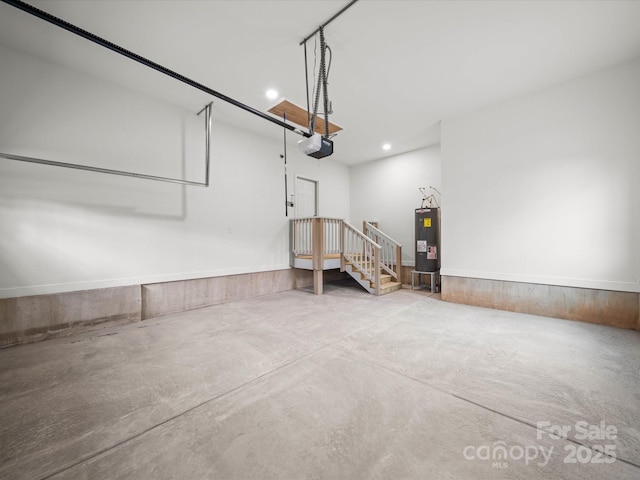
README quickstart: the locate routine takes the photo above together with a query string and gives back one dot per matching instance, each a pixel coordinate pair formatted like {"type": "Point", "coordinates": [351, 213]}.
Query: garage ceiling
{"type": "Point", "coordinates": [398, 69]}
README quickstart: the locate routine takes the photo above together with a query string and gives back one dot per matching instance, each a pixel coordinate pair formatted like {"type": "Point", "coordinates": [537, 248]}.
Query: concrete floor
{"type": "Point", "coordinates": [340, 386]}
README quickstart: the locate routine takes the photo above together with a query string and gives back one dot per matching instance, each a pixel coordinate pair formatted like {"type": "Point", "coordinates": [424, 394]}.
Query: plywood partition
{"type": "Point", "coordinates": [605, 307]}
{"type": "Point", "coordinates": [300, 116]}
{"type": "Point", "coordinates": [33, 318]}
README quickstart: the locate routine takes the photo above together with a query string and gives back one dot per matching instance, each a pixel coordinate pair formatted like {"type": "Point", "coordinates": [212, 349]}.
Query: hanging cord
{"type": "Point", "coordinates": [327, 76]}
{"type": "Point", "coordinates": [286, 193]}
{"type": "Point", "coordinates": [329, 62]}
{"type": "Point", "coordinates": [306, 84]}
{"type": "Point", "coordinates": [315, 80]}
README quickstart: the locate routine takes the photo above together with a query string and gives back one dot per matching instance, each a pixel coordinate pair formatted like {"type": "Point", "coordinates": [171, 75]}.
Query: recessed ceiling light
{"type": "Point", "coordinates": [386, 146]}
{"type": "Point", "coordinates": [272, 94]}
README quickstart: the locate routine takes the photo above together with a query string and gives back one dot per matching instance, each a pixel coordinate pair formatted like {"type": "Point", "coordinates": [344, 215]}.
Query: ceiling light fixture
{"type": "Point", "coordinates": [386, 146]}
{"type": "Point", "coordinates": [271, 94]}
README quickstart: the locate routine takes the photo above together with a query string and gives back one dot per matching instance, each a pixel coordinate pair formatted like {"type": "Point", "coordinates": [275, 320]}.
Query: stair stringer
{"type": "Point", "coordinates": [357, 276]}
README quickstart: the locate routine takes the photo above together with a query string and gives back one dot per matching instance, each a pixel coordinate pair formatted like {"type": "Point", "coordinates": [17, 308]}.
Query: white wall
{"type": "Point", "coordinates": [387, 191]}
{"type": "Point", "coordinates": [64, 230]}
{"type": "Point", "coordinates": [545, 188]}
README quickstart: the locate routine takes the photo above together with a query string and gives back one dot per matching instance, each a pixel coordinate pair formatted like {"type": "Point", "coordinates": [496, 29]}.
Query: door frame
{"type": "Point", "coordinates": [317, 196]}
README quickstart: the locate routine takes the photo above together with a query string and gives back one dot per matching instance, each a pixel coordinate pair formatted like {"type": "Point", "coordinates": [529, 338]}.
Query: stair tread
{"type": "Point", "coordinates": [390, 287]}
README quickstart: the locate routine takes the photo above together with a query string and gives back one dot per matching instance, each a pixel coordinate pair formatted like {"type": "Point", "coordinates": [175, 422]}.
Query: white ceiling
{"type": "Point", "coordinates": [399, 67]}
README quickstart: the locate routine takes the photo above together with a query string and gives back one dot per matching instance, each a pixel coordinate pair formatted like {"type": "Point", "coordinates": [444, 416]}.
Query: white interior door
{"type": "Point", "coordinates": [306, 197]}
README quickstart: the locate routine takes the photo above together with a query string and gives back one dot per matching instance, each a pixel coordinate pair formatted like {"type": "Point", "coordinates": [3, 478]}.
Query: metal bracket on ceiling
{"type": "Point", "coordinates": [328, 22]}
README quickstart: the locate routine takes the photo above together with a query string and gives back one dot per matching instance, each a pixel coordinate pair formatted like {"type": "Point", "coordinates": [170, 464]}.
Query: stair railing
{"type": "Point", "coordinates": [363, 254]}
{"type": "Point", "coordinates": [332, 236]}
{"type": "Point", "coordinates": [316, 237]}
{"type": "Point", "coordinates": [302, 236]}
{"type": "Point", "coordinates": [391, 251]}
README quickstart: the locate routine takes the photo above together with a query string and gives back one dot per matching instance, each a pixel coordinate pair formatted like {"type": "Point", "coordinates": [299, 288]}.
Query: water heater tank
{"type": "Point", "coordinates": [427, 239]}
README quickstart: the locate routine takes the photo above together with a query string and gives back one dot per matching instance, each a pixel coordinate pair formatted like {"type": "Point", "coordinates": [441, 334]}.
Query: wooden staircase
{"type": "Point", "coordinates": [387, 285]}
{"type": "Point", "coordinates": [371, 257]}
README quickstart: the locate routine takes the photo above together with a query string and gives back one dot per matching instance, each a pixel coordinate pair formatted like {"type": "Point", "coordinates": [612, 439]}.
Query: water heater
{"type": "Point", "coordinates": [427, 239]}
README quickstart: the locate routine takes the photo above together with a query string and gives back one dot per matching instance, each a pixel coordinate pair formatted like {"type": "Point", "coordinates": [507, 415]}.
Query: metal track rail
{"type": "Point", "coordinates": [144, 61]}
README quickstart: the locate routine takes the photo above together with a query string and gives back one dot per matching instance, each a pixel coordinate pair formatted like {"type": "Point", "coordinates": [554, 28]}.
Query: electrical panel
{"type": "Point", "coordinates": [427, 239]}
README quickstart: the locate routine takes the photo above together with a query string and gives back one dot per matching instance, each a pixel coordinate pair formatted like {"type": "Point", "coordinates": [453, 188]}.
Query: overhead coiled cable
{"type": "Point", "coordinates": [323, 70]}
{"type": "Point", "coordinates": [322, 83]}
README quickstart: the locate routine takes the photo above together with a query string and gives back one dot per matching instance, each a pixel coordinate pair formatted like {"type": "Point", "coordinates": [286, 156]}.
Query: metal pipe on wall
{"type": "Point", "coordinates": [207, 148]}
